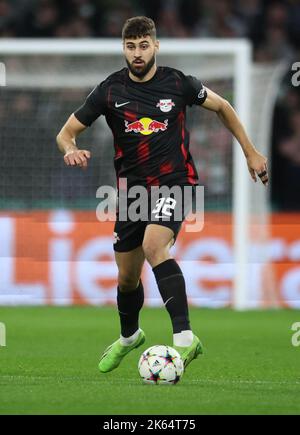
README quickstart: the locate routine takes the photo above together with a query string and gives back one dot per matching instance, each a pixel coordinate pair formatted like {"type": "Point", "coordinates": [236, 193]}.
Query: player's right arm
{"type": "Point", "coordinates": [66, 141]}
{"type": "Point", "coordinates": [83, 117]}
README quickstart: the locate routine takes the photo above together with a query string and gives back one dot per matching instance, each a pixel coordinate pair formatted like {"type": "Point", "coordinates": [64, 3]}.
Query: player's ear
{"type": "Point", "coordinates": [156, 44]}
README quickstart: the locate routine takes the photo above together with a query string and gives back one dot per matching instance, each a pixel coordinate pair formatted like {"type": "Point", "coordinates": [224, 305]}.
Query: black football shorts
{"type": "Point", "coordinates": [132, 217]}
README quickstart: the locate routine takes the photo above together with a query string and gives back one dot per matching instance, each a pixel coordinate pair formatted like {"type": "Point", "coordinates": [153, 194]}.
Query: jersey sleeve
{"type": "Point", "coordinates": [94, 106]}
{"type": "Point", "coordinates": [194, 91]}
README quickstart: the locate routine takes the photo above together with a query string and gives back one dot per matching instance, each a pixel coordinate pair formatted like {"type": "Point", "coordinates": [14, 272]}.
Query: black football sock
{"type": "Point", "coordinates": [171, 285]}
{"type": "Point", "coordinates": [129, 306]}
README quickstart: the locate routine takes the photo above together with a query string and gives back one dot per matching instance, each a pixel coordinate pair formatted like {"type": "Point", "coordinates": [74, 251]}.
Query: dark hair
{"type": "Point", "coordinates": [137, 27]}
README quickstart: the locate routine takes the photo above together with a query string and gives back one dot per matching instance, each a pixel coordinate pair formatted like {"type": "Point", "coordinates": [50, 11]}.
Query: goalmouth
{"type": "Point", "coordinates": [231, 58]}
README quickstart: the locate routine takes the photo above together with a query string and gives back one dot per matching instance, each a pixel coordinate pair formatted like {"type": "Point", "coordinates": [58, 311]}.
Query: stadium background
{"type": "Point", "coordinates": [36, 187]}
{"type": "Point", "coordinates": [54, 252]}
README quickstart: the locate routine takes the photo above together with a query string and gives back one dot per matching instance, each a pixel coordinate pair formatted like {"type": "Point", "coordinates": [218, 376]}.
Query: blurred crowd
{"type": "Point", "coordinates": [286, 148]}
{"type": "Point", "coordinates": [273, 26]}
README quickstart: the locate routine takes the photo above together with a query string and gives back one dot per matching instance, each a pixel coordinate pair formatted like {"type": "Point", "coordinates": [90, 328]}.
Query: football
{"type": "Point", "coordinates": [160, 364]}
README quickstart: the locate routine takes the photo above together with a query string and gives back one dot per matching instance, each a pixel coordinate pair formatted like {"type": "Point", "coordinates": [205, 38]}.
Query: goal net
{"type": "Point", "coordinates": [47, 80]}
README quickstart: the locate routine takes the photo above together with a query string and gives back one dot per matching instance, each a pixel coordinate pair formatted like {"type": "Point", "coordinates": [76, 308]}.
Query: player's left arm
{"type": "Point", "coordinates": [257, 163]}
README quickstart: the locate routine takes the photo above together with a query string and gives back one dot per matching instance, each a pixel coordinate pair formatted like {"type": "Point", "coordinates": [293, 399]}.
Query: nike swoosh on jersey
{"type": "Point", "coordinates": [121, 104]}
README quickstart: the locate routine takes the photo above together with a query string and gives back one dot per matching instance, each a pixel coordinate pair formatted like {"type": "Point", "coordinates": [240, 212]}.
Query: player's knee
{"type": "Point", "coordinates": [127, 282]}
{"type": "Point", "coordinates": [152, 251]}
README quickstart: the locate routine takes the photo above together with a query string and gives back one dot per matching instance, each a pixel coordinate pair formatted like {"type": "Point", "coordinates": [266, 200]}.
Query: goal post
{"type": "Point", "coordinates": [230, 59]}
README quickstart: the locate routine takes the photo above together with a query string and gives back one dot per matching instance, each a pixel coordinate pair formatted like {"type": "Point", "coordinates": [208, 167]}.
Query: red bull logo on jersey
{"type": "Point", "coordinates": [145, 126]}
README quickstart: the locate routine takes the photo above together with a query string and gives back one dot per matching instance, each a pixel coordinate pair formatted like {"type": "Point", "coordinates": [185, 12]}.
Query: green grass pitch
{"type": "Point", "coordinates": [49, 365]}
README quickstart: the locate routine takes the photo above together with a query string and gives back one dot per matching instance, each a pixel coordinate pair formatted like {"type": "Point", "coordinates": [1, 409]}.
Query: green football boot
{"type": "Point", "coordinates": [114, 354]}
{"type": "Point", "coordinates": [189, 353]}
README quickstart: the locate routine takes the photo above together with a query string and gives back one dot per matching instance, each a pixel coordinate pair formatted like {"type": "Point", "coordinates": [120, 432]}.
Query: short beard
{"type": "Point", "coordinates": [142, 72]}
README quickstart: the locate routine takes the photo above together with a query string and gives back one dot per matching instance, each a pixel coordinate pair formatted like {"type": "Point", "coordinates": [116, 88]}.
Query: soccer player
{"type": "Point", "coordinates": [145, 105]}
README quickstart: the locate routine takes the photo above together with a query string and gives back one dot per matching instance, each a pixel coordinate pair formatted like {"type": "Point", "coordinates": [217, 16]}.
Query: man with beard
{"type": "Point", "coordinates": [145, 107]}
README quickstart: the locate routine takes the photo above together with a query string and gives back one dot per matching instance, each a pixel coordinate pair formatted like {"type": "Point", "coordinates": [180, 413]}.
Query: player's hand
{"type": "Point", "coordinates": [257, 165]}
{"type": "Point", "coordinates": [77, 158]}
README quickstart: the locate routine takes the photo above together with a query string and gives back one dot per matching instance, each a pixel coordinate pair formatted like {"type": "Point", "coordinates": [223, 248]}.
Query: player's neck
{"type": "Point", "coordinates": [146, 78]}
